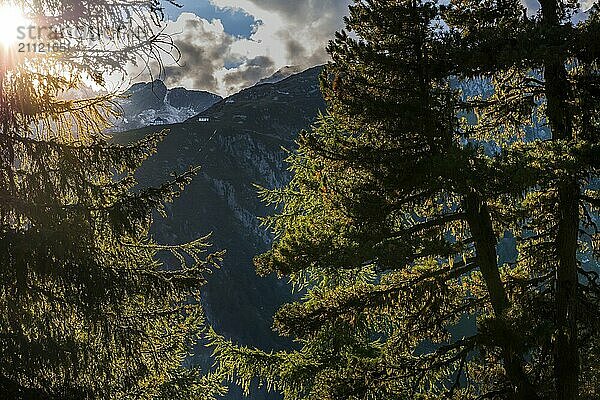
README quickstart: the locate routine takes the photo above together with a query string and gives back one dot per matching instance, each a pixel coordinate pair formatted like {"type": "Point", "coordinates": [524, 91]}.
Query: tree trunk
{"type": "Point", "coordinates": [566, 364]}
{"type": "Point", "coordinates": [566, 351]}
{"type": "Point", "coordinates": [558, 93]}
{"type": "Point", "coordinates": [480, 224]}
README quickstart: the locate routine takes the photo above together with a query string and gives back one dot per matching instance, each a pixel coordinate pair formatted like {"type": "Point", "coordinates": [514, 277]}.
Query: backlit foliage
{"type": "Point", "coordinates": [87, 310]}
{"type": "Point", "coordinates": [398, 223]}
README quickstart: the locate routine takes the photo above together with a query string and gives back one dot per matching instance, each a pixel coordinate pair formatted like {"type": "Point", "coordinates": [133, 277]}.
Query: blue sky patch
{"type": "Point", "coordinates": [235, 22]}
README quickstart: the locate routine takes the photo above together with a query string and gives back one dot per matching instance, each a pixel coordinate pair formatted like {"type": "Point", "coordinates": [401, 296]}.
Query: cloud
{"type": "Point", "coordinates": [249, 72]}
{"type": "Point", "coordinates": [209, 58]}
{"type": "Point", "coordinates": [295, 32]}
{"type": "Point", "coordinates": [204, 47]}
{"type": "Point", "coordinates": [285, 33]}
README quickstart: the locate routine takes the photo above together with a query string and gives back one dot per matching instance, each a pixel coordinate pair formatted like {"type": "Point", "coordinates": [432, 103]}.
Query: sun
{"type": "Point", "coordinates": [11, 18]}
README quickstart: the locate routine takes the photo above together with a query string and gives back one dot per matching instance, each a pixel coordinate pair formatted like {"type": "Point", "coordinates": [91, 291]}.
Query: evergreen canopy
{"type": "Point", "coordinates": [87, 310]}
{"type": "Point", "coordinates": [450, 126]}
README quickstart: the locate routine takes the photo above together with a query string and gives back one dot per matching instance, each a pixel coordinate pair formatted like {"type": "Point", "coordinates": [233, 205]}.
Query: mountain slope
{"type": "Point", "coordinates": [240, 145]}
{"type": "Point", "coordinates": [279, 109]}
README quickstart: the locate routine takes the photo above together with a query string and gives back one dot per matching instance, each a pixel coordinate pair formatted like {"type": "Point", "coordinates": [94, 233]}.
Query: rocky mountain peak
{"type": "Point", "coordinates": [152, 103]}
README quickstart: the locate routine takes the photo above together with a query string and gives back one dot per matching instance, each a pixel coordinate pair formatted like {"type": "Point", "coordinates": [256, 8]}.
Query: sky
{"type": "Point", "coordinates": [227, 45]}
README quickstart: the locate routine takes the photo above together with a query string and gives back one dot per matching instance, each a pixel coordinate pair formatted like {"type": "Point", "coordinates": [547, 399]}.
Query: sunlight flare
{"type": "Point", "coordinates": [11, 18]}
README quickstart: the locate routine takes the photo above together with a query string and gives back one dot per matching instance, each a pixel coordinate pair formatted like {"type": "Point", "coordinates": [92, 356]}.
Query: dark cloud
{"type": "Point", "coordinates": [295, 50]}
{"type": "Point", "coordinates": [285, 33]}
{"type": "Point", "coordinates": [249, 73]}
{"type": "Point", "coordinates": [311, 24]}
{"type": "Point", "coordinates": [203, 50]}
{"type": "Point", "coordinates": [303, 27]}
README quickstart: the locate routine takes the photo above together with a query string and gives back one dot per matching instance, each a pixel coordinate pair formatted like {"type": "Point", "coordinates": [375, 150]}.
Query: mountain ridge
{"type": "Point", "coordinates": [282, 74]}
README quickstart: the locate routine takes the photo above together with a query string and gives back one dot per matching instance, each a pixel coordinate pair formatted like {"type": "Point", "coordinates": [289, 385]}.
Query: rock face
{"type": "Point", "coordinates": [146, 104]}
{"type": "Point", "coordinates": [238, 143]}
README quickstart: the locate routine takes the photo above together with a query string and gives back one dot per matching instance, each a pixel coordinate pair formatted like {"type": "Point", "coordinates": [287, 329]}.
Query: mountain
{"type": "Point", "coordinates": [238, 143]}
{"type": "Point", "coordinates": [191, 99]}
{"type": "Point", "coordinates": [281, 74]}
{"type": "Point", "coordinates": [279, 110]}
{"type": "Point", "coordinates": [151, 103]}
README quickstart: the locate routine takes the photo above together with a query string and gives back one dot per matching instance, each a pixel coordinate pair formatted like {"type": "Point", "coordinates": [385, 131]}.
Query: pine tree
{"type": "Point", "coordinates": [403, 193]}
{"type": "Point", "coordinates": [87, 309]}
